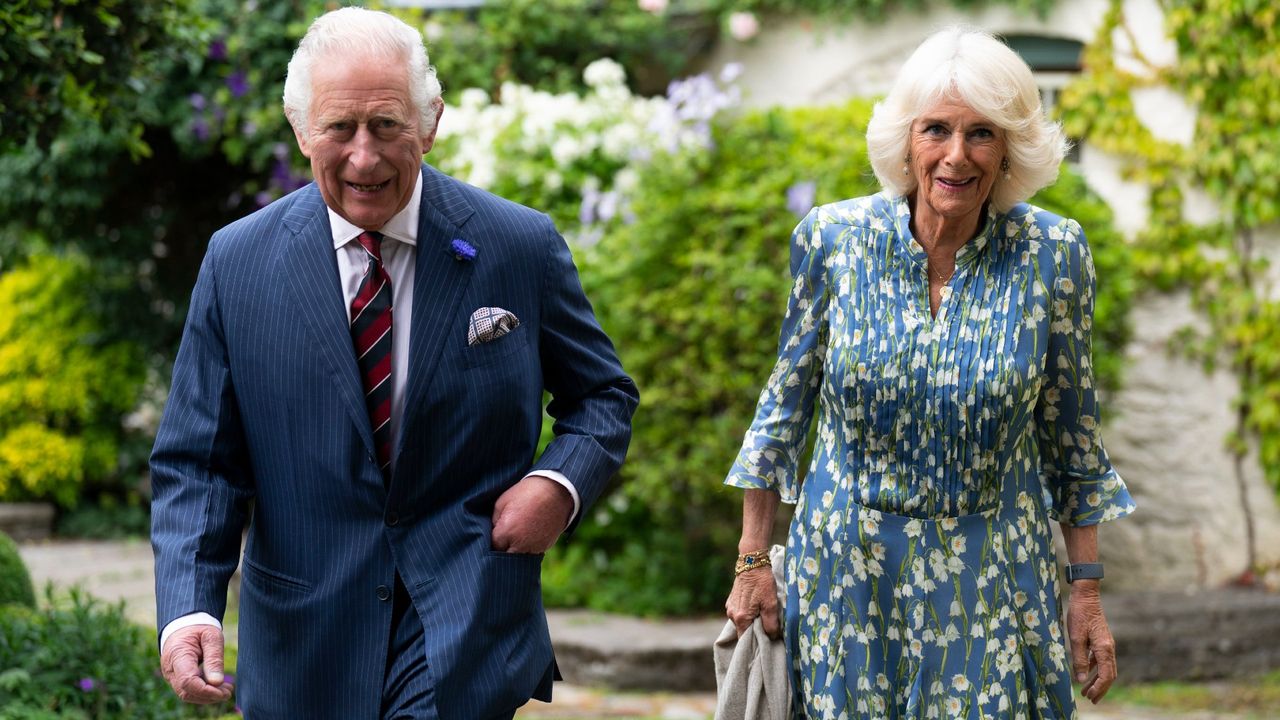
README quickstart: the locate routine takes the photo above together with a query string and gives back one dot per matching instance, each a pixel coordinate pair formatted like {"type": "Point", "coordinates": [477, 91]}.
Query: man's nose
{"type": "Point", "coordinates": [365, 150]}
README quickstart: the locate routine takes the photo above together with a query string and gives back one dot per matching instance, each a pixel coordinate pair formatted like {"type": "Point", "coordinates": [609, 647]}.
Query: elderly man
{"type": "Point", "coordinates": [361, 376]}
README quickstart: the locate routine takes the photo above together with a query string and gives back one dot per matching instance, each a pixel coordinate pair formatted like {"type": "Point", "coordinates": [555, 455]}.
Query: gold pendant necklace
{"type": "Point", "coordinates": [940, 276]}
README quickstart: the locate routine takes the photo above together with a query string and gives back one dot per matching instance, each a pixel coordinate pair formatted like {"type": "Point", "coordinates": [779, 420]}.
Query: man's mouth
{"type": "Point", "coordinates": [946, 182]}
{"type": "Point", "coordinates": [368, 188]}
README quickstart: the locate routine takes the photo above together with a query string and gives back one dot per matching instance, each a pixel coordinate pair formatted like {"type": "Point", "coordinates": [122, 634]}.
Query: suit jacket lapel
{"type": "Point", "coordinates": [439, 281]}
{"type": "Point", "coordinates": [310, 265]}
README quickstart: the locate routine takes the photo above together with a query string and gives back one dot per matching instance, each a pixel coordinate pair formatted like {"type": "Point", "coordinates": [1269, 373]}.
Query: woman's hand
{"type": "Point", "coordinates": [1093, 651]}
{"type": "Point", "coordinates": [754, 596]}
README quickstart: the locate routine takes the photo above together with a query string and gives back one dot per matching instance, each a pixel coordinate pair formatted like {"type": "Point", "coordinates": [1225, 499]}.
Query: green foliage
{"type": "Point", "coordinates": [1228, 59]}
{"type": "Point", "coordinates": [78, 659]}
{"type": "Point", "coordinates": [878, 9]}
{"type": "Point", "coordinates": [208, 144]}
{"type": "Point", "coordinates": [62, 390]}
{"type": "Point", "coordinates": [693, 293]}
{"type": "Point", "coordinates": [548, 43]}
{"type": "Point", "coordinates": [107, 518]}
{"type": "Point", "coordinates": [65, 63]}
{"type": "Point", "coordinates": [15, 581]}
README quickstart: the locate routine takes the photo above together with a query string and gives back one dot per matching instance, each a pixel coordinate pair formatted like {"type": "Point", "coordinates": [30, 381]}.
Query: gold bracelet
{"type": "Point", "coordinates": [751, 561]}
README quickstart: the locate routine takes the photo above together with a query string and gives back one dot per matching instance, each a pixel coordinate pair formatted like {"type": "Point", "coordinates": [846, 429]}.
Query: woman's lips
{"type": "Point", "coordinates": [954, 183]}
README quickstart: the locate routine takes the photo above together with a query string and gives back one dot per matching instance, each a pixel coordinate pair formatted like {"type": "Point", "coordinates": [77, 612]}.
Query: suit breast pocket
{"type": "Point", "coordinates": [495, 350]}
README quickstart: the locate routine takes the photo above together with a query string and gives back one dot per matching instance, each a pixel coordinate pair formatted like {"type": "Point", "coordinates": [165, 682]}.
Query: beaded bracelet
{"type": "Point", "coordinates": [751, 561]}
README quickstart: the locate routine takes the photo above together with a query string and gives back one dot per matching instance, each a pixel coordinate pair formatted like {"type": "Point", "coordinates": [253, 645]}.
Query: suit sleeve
{"type": "Point", "coordinates": [200, 478]}
{"type": "Point", "coordinates": [592, 399]}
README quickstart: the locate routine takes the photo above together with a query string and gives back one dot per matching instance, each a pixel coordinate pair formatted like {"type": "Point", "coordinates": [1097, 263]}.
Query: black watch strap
{"type": "Point", "coordinates": [1084, 571]}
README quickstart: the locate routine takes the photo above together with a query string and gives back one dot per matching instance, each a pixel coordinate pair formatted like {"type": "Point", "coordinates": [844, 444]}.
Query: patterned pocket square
{"type": "Point", "coordinates": [490, 323]}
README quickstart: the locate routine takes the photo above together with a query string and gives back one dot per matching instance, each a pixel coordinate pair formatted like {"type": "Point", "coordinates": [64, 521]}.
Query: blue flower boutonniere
{"type": "Point", "coordinates": [462, 250]}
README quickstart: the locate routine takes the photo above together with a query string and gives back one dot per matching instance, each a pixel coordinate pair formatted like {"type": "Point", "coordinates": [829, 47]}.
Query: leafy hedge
{"type": "Point", "coordinates": [693, 293]}
{"type": "Point", "coordinates": [62, 391]}
{"type": "Point", "coordinates": [15, 581]}
{"type": "Point", "coordinates": [78, 659]}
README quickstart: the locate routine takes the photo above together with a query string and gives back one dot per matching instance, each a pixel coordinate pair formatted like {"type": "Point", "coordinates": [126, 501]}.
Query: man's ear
{"type": "Point", "coordinates": [429, 139]}
{"type": "Point", "coordinates": [302, 139]}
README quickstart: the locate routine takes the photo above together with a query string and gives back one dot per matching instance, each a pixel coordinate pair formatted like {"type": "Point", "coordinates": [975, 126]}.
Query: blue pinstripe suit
{"type": "Point", "coordinates": [266, 405]}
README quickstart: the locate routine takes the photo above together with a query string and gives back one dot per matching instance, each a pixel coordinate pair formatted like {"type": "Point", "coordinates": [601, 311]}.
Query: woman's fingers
{"type": "Point", "coordinates": [753, 596]}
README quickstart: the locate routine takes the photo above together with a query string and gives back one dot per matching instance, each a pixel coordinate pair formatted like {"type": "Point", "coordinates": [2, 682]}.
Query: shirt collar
{"type": "Point", "coordinates": [402, 226]}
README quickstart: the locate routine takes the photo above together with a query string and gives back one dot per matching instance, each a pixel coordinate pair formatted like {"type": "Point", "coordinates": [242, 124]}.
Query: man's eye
{"type": "Point", "coordinates": [340, 126]}
{"type": "Point", "coordinates": [386, 124]}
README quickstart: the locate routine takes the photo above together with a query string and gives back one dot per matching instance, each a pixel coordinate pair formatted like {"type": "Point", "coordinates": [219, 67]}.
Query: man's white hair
{"type": "Point", "coordinates": [351, 33]}
{"type": "Point", "coordinates": [975, 68]}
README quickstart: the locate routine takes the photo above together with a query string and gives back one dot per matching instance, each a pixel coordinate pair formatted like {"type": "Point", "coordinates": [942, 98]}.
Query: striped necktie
{"type": "Point", "coordinates": [371, 335]}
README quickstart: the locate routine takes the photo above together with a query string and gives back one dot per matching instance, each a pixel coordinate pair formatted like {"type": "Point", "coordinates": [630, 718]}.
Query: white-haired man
{"type": "Point", "coordinates": [365, 360]}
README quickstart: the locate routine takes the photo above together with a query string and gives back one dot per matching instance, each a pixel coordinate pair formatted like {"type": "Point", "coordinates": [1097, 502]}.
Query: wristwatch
{"type": "Point", "coordinates": [1084, 571]}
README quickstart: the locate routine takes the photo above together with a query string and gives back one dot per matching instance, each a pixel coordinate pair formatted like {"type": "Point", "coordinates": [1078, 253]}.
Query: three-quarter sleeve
{"type": "Point", "coordinates": [1084, 488]}
{"type": "Point", "coordinates": [773, 445]}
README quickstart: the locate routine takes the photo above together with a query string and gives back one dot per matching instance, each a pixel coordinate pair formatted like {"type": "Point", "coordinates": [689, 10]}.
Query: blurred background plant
{"type": "Point", "coordinates": [71, 657]}
{"type": "Point", "coordinates": [64, 384]}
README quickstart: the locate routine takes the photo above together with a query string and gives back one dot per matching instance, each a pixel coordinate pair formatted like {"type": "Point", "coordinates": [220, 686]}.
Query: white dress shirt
{"type": "Point", "coordinates": [399, 255]}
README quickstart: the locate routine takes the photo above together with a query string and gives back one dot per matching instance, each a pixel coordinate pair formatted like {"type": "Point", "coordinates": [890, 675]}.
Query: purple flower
{"type": "Point", "coordinates": [800, 197]}
{"type": "Point", "coordinates": [249, 128]}
{"type": "Point", "coordinates": [217, 50]}
{"type": "Point", "coordinates": [263, 199]}
{"type": "Point", "coordinates": [87, 684]}
{"type": "Point", "coordinates": [462, 250]}
{"type": "Point", "coordinates": [200, 128]}
{"type": "Point", "coordinates": [238, 83]}
{"type": "Point", "coordinates": [197, 101]}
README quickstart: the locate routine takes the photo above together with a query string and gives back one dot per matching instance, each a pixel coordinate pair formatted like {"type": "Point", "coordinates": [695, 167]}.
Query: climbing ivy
{"type": "Point", "coordinates": [1226, 66]}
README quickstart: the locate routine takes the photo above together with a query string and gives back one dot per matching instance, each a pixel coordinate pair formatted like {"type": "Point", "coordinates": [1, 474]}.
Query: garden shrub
{"type": "Point", "coordinates": [81, 658]}
{"type": "Point", "coordinates": [62, 392]}
{"type": "Point", "coordinates": [15, 581]}
{"type": "Point", "coordinates": [693, 293]}
{"type": "Point", "coordinates": [548, 43]}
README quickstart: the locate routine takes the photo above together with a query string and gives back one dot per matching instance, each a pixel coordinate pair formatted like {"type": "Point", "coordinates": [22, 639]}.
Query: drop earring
{"type": "Point", "coordinates": [1004, 166]}
{"type": "Point", "coordinates": [906, 165]}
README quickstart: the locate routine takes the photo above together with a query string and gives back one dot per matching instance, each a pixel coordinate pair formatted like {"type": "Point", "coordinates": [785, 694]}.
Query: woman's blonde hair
{"type": "Point", "coordinates": [975, 68]}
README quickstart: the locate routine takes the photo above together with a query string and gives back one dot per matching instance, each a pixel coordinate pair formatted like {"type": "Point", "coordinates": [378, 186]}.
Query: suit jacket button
{"type": "Point", "coordinates": [384, 593]}
{"type": "Point", "coordinates": [392, 519]}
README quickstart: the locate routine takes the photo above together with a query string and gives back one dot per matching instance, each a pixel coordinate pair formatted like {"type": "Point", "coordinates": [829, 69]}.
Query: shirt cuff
{"type": "Point", "coordinates": [200, 618]}
{"type": "Point", "coordinates": [560, 478]}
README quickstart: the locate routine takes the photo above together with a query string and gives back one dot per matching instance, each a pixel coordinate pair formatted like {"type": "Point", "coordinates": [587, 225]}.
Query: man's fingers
{"type": "Point", "coordinates": [186, 681]}
{"type": "Point", "coordinates": [183, 664]}
{"type": "Point", "coordinates": [194, 689]}
{"type": "Point", "coordinates": [211, 644]}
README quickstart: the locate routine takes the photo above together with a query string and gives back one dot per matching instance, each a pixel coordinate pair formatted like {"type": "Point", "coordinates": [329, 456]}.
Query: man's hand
{"type": "Point", "coordinates": [181, 659]}
{"type": "Point", "coordinates": [754, 595]}
{"type": "Point", "coordinates": [530, 515]}
{"type": "Point", "coordinates": [1093, 651]}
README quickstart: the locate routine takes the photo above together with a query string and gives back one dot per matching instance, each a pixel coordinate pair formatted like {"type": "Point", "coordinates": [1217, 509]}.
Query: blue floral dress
{"type": "Point", "coordinates": [921, 571]}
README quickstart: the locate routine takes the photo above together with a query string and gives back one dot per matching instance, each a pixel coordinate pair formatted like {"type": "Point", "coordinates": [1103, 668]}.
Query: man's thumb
{"type": "Point", "coordinates": [211, 649]}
